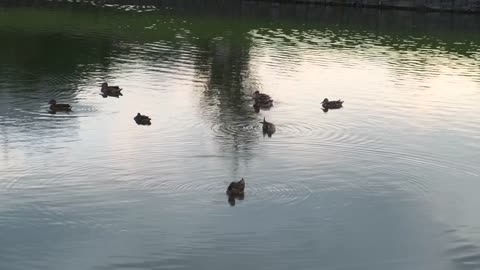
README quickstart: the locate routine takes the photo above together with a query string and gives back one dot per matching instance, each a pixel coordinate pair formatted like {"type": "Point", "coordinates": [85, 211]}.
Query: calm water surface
{"type": "Point", "coordinates": [390, 181]}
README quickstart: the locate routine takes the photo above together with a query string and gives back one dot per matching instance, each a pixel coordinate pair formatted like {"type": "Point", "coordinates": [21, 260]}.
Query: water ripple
{"type": "Point", "coordinates": [406, 139]}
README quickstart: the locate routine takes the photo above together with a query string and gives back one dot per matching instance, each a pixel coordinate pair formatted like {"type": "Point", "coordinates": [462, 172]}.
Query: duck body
{"type": "Point", "coordinates": [236, 188]}
{"type": "Point", "coordinates": [114, 91]}
{"type": "Point", "coordinates": [268, 128]}
{"type": "Point", "coordinates": [262, 101]}
{"type": "Point", "coordinates": [58, 107]}
{"type": "Point", "coordinates": [261, 96]}
{"type": "Point", "coordinates": [142, 119]}
{"type": "Point", "coordinates": [334, 104]}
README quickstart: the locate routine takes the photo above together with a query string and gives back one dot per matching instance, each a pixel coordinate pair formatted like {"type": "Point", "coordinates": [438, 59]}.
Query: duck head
{"type": "Point", "coordinates": [52, 102]}
{"type": "Point", "coordinates": [104, 85]}
{"type": "Point", "coordinates": [325, 100]}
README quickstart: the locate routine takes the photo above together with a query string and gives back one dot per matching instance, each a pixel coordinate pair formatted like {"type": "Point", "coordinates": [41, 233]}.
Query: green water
{"type": "Point", "coordinates": [389, 181]}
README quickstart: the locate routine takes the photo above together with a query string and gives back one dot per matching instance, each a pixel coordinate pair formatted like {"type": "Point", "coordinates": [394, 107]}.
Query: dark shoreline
{"type": "Point", "coordinates": [455, 6]}
{"type": "Point", "coordinates": [468, 6]}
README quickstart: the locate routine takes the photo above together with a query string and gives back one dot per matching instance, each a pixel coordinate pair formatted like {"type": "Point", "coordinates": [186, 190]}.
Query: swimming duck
{"type": "Point", "coordinates": [268, 128]}
{"type": "Point", "coordinates": [142, 119]}
{"type": "Point", "coordinates": [114, 91]}
{"type": "Point", "coordinates": [236, 188]}
{"type": "Point", "coordinates": [262, 100]}
{"type": "Point", "coordinates": [334, 104]}
{"type": "Point", "coordinates": [261, 96]}
{"type": "Point", "coordinates": [57, 107]}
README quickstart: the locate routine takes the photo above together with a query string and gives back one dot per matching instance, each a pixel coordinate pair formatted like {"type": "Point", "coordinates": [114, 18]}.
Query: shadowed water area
{"type": "Point", "coordinates": [390, 181]}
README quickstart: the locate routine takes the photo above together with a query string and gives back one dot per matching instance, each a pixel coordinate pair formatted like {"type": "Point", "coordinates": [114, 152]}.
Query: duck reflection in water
{"type": "Point", "coordinates": [232, 199]}
{"type": "Point", "coordinates": [257, 108]}
{"type": "Point", "coordinates": [235, 191]}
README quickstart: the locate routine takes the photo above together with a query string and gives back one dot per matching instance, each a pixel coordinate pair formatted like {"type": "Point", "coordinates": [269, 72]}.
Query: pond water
{"type": "Point", "coordinates": [389, 181]}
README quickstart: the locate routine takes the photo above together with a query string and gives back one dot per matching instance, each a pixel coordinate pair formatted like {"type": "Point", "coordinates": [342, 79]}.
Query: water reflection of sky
{"type": "Point", "coordinates": [386, 182]}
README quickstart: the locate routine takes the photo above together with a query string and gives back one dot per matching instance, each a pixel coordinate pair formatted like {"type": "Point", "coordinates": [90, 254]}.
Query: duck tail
{"type": "Point", "coordinates": [241, 184]}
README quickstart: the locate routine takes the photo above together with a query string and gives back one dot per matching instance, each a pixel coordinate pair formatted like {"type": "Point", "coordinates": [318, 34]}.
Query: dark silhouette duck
{"type": "Point", "coordinates": [268, 128]}
{"type": "Point", "coordinates": [262, 101]}
{"type": "Point", "coordinates": [113, 91]}
{"type": "Point", "coordinates": [57, 107]}
{"type": "Point", "coordinates": [142, 119]}
{"type": "Point", "coordinates": [236, 188]}
{"type": "Point", "coordinates": [334, 104]}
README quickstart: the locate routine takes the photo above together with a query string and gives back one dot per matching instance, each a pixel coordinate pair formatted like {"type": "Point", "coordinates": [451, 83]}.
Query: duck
{"type": "Point", "coordinates": [261, 96]}
{"type": "Point", "coordinates": [57, 107]}
{"type": "Point", "coordinates": [268, 128]}
{"type": "Point", "coordinates": [111, 90]}
{"type": "Point", "coordinates": [262, 100]}
{"type": "Point", "coordinates": [262, 104]}
{"type": "Point", "coordinates": [236, 188]}
{"type": "Point", "coordinates": [142, 119]}
{"type": "Point", "coordinates": [334, 104]}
